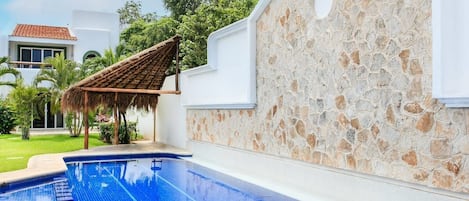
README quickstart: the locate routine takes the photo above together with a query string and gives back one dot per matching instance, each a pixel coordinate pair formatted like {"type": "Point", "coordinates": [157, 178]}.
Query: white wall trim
{"type": "Point", "coordinates": [455, 102]}
{"type": "Point", "coordinates": [449, 44]}
{"type": "Point", "coordinates": [252, 38]}
{"type": "Point", "coordinates": [213, 38]}
{"type": "Point", "coordinates": [41, 40]}
{"type": "Point", "coordinates": [224, 106]}
{"type": "Point", "coordinates": [436, 49]}
{"type": "Point", "coordinates": [91, 29]}
{"type": "Point", "coordinates": [258, 10]}
{"type": "Point", "coordinates": [198, 70]}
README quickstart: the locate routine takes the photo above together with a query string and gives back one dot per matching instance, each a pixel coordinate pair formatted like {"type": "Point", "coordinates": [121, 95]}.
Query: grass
{"type": "Point", "coordinates": [15, 153]}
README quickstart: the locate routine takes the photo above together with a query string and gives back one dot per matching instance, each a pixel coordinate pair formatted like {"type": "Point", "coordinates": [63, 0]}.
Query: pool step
{"type": "Point", "coordinates": [62, 190]}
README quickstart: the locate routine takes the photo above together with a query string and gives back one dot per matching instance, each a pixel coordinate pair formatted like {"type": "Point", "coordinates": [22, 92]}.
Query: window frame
{"type": "Point", "coordinates": [42, 49]}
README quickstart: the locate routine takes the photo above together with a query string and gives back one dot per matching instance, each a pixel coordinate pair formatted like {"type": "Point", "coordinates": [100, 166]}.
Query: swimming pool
{"type": "Point", "coordinates": [47, 188]}
{"type": "Point", "coordinates": [162, 177]}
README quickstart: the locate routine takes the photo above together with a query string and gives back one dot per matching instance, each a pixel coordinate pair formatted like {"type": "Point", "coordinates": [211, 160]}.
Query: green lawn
{"type": "Point", "coordinates": [15, 153]}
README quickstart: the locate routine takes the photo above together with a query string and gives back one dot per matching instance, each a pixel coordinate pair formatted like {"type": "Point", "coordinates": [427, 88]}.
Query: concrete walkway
{"type": "Point", "coordinates": [48, 164]}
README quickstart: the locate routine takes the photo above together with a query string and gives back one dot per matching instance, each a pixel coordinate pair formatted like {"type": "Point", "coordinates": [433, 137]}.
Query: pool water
{"type": "Point", "coordinates": [54, 188]}
{"type": "Point", "coordinates": [158, 179]}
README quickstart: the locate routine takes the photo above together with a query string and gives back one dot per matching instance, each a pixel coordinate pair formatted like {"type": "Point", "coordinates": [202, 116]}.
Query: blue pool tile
{"type": "Point", "coordinates": [159, 179]}
{"type": "Point", "coordinates": [39, 193]}
{"type": "Point", "coordinates": [138, 179]}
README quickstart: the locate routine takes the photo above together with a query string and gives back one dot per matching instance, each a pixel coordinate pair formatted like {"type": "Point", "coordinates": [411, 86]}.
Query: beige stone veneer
{"type": "Point", "coordinates": [351, 91]}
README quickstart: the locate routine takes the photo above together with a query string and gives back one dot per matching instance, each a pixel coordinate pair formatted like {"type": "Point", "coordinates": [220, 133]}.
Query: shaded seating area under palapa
{"type": "Point", "coordinates": [133, 82]}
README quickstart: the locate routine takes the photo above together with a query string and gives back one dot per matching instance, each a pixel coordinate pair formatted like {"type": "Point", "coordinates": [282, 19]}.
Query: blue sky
{"type": "Point", "coordinates": [59, 12]}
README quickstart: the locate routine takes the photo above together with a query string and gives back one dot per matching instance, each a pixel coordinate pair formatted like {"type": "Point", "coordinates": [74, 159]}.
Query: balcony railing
{"type": "Point", "coordinates": [27, 64]}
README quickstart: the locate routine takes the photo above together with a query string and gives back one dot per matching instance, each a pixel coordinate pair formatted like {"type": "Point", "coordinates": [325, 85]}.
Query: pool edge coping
{"type": "Point", "coordinates": [50, 164]}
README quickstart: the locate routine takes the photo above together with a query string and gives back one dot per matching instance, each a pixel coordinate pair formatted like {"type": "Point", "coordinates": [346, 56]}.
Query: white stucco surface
{"type": "Point", "coordinates": [170, 119]}
{"type": "Point", "coordinates": [227, 81]}
{"type": "Point", "coordinates": [95, 31]}
{"type": "Point", "coordinates": [450, 47]}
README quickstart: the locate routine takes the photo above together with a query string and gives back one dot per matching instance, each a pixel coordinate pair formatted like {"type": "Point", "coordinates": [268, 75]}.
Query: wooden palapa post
{"type": "Point", "coordinates": [85, 118]}
{"type": "Point", "coordinates": [116, 121]}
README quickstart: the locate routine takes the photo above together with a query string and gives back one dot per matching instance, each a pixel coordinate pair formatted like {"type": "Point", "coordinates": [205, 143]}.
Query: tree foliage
{"type": "Point", "coordinates": [7, 122]}
{"type": "Point", "coordinates": [141, 35]}
{"type": "Point", "coordinates": [22, 100]}
{"type": "Point", "coordinates": [132, 39]}
{"type": "Point", "coordinates": [63, 74]}
{"type": "Point", "coordinates": [206, 19]}
{"type": "Point", "coordinates": [93, 65]}
{"type": "Point", "coordinates": [6, 70]}
{"type": "Point", "coordinates": [132, 11]}
{"type": "Point", "coordinates": [194, 20]}
{"type": "Point", "coordinates": [179, 8]}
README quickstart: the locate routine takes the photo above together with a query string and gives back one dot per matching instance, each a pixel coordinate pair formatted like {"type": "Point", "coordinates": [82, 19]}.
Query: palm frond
{"type": "Point", "coordinates": [11, 84]}
{"type": "Point", "coordinates": [8, 70]}
{"type": "Point", "coordinates": [62, 74]}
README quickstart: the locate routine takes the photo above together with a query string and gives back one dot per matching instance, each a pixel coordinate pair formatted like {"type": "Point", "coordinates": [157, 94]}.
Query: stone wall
{"type": "Point", "coordinates": [350, 91]}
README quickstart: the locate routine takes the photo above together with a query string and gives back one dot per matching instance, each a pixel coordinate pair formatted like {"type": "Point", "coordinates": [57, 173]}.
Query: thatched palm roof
{"type": "Point", "coordinates": [135, 81]}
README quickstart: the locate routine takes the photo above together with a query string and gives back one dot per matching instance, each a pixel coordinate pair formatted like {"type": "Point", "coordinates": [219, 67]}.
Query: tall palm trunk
{"type": "Point", "coordinates": [25, 133]}
{"type": "Point", "coordinates": [76, 125]}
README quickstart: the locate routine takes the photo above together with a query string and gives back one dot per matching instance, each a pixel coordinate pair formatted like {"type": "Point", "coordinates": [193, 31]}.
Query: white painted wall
{"type": "Point", "coordinates": [170, 120]}
{"type": "Point", "coordinates": [28, 76]}
{"type": "Point", "coordinates": [171, 117]}
{"type": "Point", "coordinates": [144, 121]}
{"type": "Point", "coordinates": [95, 31]}
{"type": "Point", "coordinates": [450, 46]}
{"type": "Point", "coordinates": [228, 80]}
{"type": "Point", "coordinates": [91, 40]}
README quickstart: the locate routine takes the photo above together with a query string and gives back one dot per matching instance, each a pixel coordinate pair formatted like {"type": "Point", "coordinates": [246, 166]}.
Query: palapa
{"type": "Point", "coordinates": [136, 80]}
{"type": "Point", "coordinates": [133, 82]}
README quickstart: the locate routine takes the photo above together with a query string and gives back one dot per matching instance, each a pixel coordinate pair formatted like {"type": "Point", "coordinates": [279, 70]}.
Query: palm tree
{"type": "Point", "coordinates": [63, 73]}
{"type": "Point", "coordinates": [110, 57]}
{"type": "Point", "coordinates": [5, 70]}
{"type": "Point", "coordinates": [22, 100]}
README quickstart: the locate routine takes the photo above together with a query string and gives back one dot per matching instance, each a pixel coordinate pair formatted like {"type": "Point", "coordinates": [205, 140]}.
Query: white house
{"type": "Point", "coordinates": [28, 45]}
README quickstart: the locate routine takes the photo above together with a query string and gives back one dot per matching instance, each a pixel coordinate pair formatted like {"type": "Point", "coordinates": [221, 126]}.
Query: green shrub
{"type": "Point", "coordinates": [106, 132]}
{"type": "Point", "coordinates": [7, 123]}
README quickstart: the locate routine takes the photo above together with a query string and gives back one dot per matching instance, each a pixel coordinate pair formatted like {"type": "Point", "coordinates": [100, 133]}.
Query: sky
{"type": "Point", "coordinates": [59, 12]}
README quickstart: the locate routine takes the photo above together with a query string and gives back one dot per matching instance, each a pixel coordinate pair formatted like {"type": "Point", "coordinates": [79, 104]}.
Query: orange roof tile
{"type": "Point", "coordinates": [41, 31]}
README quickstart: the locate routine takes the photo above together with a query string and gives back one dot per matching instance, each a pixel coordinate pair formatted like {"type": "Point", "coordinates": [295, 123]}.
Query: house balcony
{"type": "Point", "coordinates": [27, 64]}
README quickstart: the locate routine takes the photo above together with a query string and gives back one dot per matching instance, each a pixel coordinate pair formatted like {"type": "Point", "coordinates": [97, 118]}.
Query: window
{"type": "Point", "coordinates": [25, 55]}
{"type": "Point", "coordinates": [90, 54]}
{"type": "Point", "coordinates": [37, 55]}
